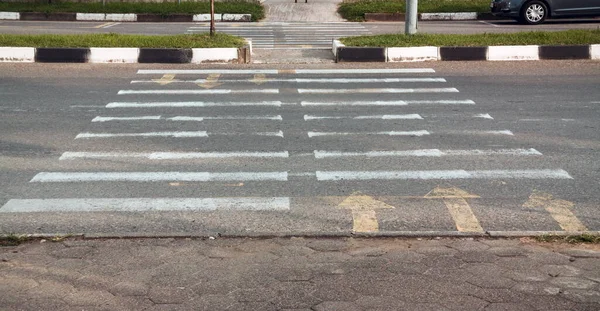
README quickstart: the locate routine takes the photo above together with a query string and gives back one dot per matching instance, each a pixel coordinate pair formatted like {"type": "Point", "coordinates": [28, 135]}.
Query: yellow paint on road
{"type": "Point", "coordinates": [166, 79]}
{"type": "Point", "coordinates": [459, 208]}
{"type": "Point", "coordinates": [286, 71]}
{"type": "Point", "coordinates": [259, 79]}
{"type": "Point", "coordinates": [102, 25]}
{"type": "Point", "coordinates": [211, 81]}
{"type": "Point", "coordinates": [363, 211]}
{"type": "Point", "coordinates": [559, 209]}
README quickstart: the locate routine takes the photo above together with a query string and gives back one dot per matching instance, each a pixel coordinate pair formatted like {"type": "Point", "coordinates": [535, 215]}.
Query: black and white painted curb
{"type": "Point", "coordinates": [110, 17]}
{"type": "Point", "coordinates": [486, 53]}
{"type": "Point", "coordinates": [458, 16]}
{"type": "Point", "coordinates": [125, 55]}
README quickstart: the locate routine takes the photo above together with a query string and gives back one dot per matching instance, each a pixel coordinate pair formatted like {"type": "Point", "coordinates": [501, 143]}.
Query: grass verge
{"type": "Point", "coordinates": [573, 239]}
{"type": "Point", "coordinates": [234, 7]}
{"type": "Point", "coordinates": [355, 10]}
{"type": "Point", "coordinates": [13, 240]}
{"type": "Point", "coordinates": [569, 37]}
{"type": "Point", "coordinates": [219, 40]}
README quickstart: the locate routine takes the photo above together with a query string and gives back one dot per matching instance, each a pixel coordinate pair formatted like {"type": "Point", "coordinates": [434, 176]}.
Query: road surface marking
{"type": "Point", "coordinates": [145, 204]}
{"type": "Point", "coordinates": [364, 217]}
{"type": "Point", "coordinates": [259, 79]}
{"type": "Point", "coordinates": [172, 155]}
{"type": "Point", "coordinates": [107, 119]}
{"type": "Point", "coordinates": [186, 118]}
{"type": "Point", "coordinates": [392, 133]}
{"type": "Point", "coordinates": [211, 81]}
{"type": "Point", "coordinates": [198, 92]}
{"type": "Point", "coordinates": [147, 134]}
{"type": "Point", "coordinates": [288, 71]}
{"type": "Point", "coordinates": [166, 79]}
{"type": "Point", "coordinates": [483, 116]}
{"type": "Point", "coordinates": [560, 210]}
{"type": "Point", "coordinates": [190, 104]}
{"type": "Point", "coordinates": [378, 91]}
{"type": "Point", "coordinates": [174, 134]}
{"type": "Point", "coordinates": [413, 116]}
{"type": "Point", "coordinates": [322, 154]}
{"type": "Point", "coordinates": [459, 208]}
{"type": "Point", "coordinates": [441, 175]}
{"type": "Point", "coordinates": [390, 103]}
{"type": "Point", "coordinates": [158, 176]}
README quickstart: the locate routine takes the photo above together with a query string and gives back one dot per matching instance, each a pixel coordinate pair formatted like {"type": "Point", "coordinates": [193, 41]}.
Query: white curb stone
{"type": "Point", "coordinates": [449, 16]}
{"type": "Point", "coordinates": [215, 55]}
{"type": "Point", "coordinates": [17, 54]}
{"type": "Point", "coordinates": [202, 17]}
{"type": "Point", "coordinates": [236, 17]}
{"type": "Point", "coordinates": [91, 16]}
{"type": "Point", "coordinates": [413, 54]}
{"type": "Point", "coordinates": [114, 55]}
{"type": "Point", "coordinates": [336, 44]}
{"type": "Point", "coordinates": [595, 51]}
{"type": "Point", "coordinates": [513, 52]}
{"type": "Point", "coordinates": [121, 17]}
{"type": "Point", "coordinates": [10, 15]}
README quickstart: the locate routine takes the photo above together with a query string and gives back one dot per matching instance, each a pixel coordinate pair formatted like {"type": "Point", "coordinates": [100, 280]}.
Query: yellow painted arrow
{"type": "Point", "coordinates": [459, 208]}
{"type": "Point", "coordinates": [363, 211]}
{"type": "Point", "coordinates": [211, 81]}
{"type": "Point", "coordinates": [259, 79]}
{"type": "Point", "coordinates": [166, 79]}
{"type": "Point", "coordinates": [559, 209]}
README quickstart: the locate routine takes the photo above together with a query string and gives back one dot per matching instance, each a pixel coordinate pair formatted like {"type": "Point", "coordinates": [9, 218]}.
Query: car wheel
{"type": "Point", "coordinates": [534, 12]}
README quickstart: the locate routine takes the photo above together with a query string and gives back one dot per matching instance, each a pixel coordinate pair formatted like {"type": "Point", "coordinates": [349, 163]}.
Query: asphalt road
{"type": "Point", "coordinates": [288, 151]}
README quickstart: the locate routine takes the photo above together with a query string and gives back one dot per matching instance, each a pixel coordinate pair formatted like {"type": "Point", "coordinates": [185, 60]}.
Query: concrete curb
{"type": "Point", "coordinates": [484, 53]}
{"type": "Point", "coordinates": [268, 235]}
{"type": "Point", "coordinates": [457, 16]}
{"type": "Point", "coordinates": [126, 55]}
{"type": "Point", "coordinates": [116, 17]}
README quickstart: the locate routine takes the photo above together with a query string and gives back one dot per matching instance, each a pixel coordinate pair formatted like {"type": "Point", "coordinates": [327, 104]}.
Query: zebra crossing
{"type": "Point", "coordinates": [287, 35]}
{"type": "Point", "coordinates": [283, 141]}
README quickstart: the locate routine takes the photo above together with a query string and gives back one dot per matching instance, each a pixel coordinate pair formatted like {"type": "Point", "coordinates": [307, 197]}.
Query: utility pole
{"type": "Point", "coordinates": [212, 18]}
{"type": "Point", "coordinates": [410, 25]}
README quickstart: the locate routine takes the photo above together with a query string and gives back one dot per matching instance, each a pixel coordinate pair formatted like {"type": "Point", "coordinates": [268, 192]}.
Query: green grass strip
{"type": "Point", "coordinates": [233, 7]}
{"type": "Point", "coordinates": [117, 40]}
{"type": "Point", "coordinates": [355, 10]}
{"type": "Point", "coordinates": [568, 37]}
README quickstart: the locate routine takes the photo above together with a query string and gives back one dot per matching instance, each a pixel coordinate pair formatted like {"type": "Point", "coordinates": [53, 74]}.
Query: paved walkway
{"type": "Point", "coordinates": [313, 11]}
{"type": "Point", "coordinates": [299, 274]}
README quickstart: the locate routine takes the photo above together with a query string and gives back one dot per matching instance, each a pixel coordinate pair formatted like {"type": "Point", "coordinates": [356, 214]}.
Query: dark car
{"type": "Point", "coordinates": [536, 11]}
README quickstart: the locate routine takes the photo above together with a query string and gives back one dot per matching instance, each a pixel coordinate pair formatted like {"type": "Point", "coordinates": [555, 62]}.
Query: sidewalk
{"type": "Point", "coordinates": [311, 11]}
{"type": "Point", "coordinates": [299, 274]}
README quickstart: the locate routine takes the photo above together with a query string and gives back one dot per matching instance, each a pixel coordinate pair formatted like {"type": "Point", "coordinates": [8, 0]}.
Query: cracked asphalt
{"type": "Point", "coordinates": [299, 274]}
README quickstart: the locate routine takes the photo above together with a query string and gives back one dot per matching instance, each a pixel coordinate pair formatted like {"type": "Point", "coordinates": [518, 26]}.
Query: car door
{"type": "Point", "coordinates": [575, 7]}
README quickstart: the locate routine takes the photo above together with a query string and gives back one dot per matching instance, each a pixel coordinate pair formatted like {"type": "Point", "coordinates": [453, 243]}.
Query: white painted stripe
{"type": "Point", "coordinates": [413, 116]}
{"type": "Point", "coordinates": [449, 16]}
{"type": "Point", "coordinates": [595, 51]}
{"type": "Point", "coordinates": [114, 55]}
{"type": "Point", "coordinates": [106, 119]}
{"type": "Point", "coordinates": [378, 91]}
{"type": "Point", "coordinates": [321, 154]}
{"type": "Point", "coordinates": [413, 54]}
{"type": "Point", "coordinates": [502, 132]}
{"type": "Point", "coordinates": [484, 116]}
{"type": "Point", "coordinates": [320, 80]}
{"type": "Point", "coordinates": [190, 104]}
{"type": "Point", "coordinates": [391, 133]}
{"type": "Point", "coordinates": [273, 134]}
{"type": "Point", "coordinates": [186, 118]}
{"type": "Point", "coordinates": [205, 71]}
{"type": "Point", "coordinates": [158, 176]}
{"type": "Point", "coordinates": [441, 175]}
{"type": "Point", "coordinates": [90, 16]}
{"type": "Point", "coordinates": [172, 155]}
{"type": "Point", "coordinates": [199, 92]}
{"type": "Point", "coordinates": [17, 54]}
{"type": "Point", "coordinates": [389, 103]}
{"type": "Point", "coordinates": [146, 205]}
{"type": "Point", "coordinates": [297, 71]}
{"type": "Point", "coordinates": [512, 53]}
{"type": "Point", "coordinates": [118, 17]}
{"type": "Point", "coordinates": [148, 134]}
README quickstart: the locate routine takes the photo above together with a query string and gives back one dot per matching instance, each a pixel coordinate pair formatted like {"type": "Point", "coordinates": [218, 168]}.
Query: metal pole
{"type": "Point", "coordinates": [410, 25]}
{"type": "Point", "coordinates": [212, 17]}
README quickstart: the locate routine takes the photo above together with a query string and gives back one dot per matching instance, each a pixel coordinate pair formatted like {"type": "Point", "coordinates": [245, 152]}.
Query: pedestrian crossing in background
{"type": "Point", "coordinates": [278, 127]}
{"type": "Point", "coordinates": [282, 35]}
